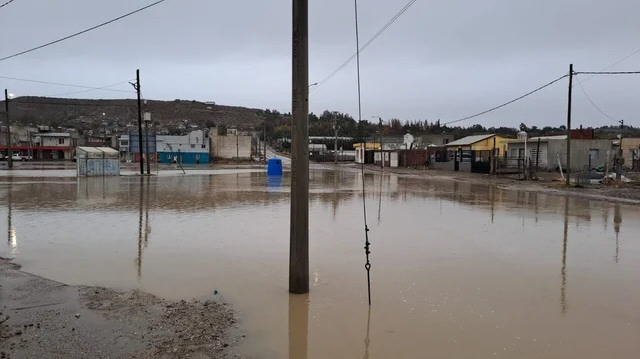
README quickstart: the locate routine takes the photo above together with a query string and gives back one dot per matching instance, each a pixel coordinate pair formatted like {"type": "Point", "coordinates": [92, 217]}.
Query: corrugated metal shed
{"type": "Point", "coordinates": [97, 161]}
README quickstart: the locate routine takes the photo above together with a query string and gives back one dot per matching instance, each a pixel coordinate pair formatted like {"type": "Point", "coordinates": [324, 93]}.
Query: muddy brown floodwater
{"type": "Point", "coordinates": [459, 270]}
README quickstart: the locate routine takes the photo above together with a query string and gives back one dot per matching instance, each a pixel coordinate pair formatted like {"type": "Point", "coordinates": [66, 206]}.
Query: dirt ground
{"type": "Point", "coordinates": [547, 182]}
{"type": "Point", "coordinates": [47, 319]}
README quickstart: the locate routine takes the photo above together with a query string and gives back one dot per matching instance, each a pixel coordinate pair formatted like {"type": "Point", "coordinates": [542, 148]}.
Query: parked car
{"type": "Point", "coordinates": [19, 157]}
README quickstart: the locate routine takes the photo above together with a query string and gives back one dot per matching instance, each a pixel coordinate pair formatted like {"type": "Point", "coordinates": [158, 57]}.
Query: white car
{"type": "Point", "coordinates": [19, 157]}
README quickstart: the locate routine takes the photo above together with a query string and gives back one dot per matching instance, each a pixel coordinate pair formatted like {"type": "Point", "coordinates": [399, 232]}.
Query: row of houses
{"type": "Point", "coordinates": [475, 153]}
{"type": "Point", "coordinates": [195, 147]}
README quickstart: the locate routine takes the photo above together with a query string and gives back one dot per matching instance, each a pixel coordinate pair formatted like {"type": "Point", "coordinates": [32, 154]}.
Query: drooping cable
{"type": "Point", "coordinates": [509, 102]}
{"type": "Point", "coordinates": [81, 32]}
{"type": "Point", "coordinates": [7, 3]}
{"type": "Point", "coordinates": [88, 88]}
{"type": "Point", "coordinates": [367, 265]}
{"type": "Point", "coordinates": [366, 44]}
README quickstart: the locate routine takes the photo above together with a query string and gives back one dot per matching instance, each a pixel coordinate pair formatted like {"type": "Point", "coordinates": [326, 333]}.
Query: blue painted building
{"type": "Point", "coordinates": [192, 148]}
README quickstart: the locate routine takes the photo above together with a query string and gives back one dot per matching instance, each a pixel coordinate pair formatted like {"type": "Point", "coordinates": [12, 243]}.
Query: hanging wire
{"type": "Point", "coordinates": [367, 265]}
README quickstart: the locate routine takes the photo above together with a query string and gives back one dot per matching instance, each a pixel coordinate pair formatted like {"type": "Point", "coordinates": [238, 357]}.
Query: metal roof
{"type": "Point", "coordinates": [469, 140]}
{"type": "Point", "coordinates": [107, 150]}
{"type": "Point", "coordinates": [53, 134]}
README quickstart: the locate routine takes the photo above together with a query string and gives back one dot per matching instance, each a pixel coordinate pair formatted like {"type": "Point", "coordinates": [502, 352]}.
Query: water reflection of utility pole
{"type": "Point", "coordinates": [147, 227]}
{"type": "Point", "coordinates": [492, 198]}
{"type": "Point", "coordinates": [563, 287]}
{"type": "Point", "coordinates": [139, 257]}
{"type": "Point", "coordinates": [11, 232]}
{"type": "Point", "coordinates": [617, 220]}
{"type": "Point", "coordinates": [535, 202]}
{"type": "Point", "coordinates": [298, 326]}
{"type": "Point", "coordinates": [380, 197]}
{"type": "Point", "coordinates": [366, 339]}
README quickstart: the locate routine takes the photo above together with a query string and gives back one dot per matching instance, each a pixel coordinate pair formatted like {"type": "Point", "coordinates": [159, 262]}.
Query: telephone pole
{"type": "Point", "coordinates": [9, 150]}
{"type": "Point", "coordinates": [299, 227]}
{"type": "Point", "coordinates": [137, 86]}
{"type": "Point", "coordinates": [569, 126]}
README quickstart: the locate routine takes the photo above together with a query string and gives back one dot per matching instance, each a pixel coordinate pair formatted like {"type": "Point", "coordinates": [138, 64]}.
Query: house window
{"type": "Point", "coordinates": [203, 146]}
{"type": "Point", "coordinates": [61, 141]}
{"type": "Point", "coordinates": [594, 153]}
{"type": "Point", "coordinates": [193, 146]}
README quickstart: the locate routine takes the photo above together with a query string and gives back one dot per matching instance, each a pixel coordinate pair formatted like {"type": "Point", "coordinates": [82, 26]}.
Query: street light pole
{"type": "Point", "coordinates": [9, 150]}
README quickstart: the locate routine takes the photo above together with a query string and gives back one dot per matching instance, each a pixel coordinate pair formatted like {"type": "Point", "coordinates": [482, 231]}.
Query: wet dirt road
{"type": "Point", "coordinates": [458, 269]}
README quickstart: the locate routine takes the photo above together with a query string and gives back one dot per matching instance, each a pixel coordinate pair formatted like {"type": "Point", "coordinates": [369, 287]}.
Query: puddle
{"type": "Point", "coordinates": [459, 270]}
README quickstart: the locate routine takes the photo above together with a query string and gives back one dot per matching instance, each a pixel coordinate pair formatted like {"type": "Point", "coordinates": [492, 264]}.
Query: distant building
{"type": "Point", "coordinates": [233, 145]}
{"type": "Point", "coordinates": [192, 148]}
{"type": "Point", "coordinates": [53, 146]}
{"type": "Point", "coordinates": [363, 150]}
{"type": "Point", "coordinates": [631, 152]}
{"type": "Point", "coordinates": [433, 139]}
{"type": "Point", "coordinates": [472, 153]}
{"type": "Point", "coordinates": [554, 149]}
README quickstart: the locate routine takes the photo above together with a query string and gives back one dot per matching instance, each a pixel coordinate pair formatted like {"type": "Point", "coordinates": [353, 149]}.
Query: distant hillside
{"type": "Point", "coordinates": [120, 114]}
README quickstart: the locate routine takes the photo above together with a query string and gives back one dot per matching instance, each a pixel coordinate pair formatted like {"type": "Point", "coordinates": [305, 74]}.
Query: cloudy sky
{"type": "Point", "coordinates": [440, 60]}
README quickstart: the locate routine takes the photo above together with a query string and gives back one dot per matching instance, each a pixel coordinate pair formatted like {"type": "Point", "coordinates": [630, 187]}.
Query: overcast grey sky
{"type": "Point", "coordinates": [441, 59]}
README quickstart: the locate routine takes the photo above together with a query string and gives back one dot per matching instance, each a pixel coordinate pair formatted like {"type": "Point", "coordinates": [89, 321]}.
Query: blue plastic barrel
{"type": "Point", "coordinates": [274, 167]}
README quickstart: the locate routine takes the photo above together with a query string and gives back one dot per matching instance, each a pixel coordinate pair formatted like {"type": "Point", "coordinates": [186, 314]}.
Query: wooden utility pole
{"type": "Point", "coordinates": [264, 140]}
{"type": "Point", "coordinates": [568, 178]}
{"type": "Point", "coordinates": [139, 122]}
{"type": "Point", "coordinates": [299, 229]}
{"type": "Point", "coordinates": [9, 150]}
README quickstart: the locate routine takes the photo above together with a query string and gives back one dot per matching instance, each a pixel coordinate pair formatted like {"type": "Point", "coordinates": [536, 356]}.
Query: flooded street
{"type": "Point", "coordinates": [459, 270]}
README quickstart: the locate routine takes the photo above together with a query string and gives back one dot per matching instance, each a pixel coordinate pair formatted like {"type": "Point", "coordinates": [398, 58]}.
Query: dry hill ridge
{"type": "Point", "coordinates": [88, 114]}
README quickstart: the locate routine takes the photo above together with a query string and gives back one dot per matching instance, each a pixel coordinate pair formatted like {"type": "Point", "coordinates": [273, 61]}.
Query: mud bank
{"type": "Point", "coordinates": [44, 318]}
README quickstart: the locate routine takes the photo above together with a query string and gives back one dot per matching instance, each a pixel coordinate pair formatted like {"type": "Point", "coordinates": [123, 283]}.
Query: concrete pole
{"type": "Point", "coordinates": [299, 230]}
{"type": "Point", "coordinates": [568, 178]}
{"type": "Point", "coordinates": [9, 150]}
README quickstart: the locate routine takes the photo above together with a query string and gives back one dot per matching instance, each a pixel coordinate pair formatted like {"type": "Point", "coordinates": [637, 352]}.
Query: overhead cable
{"type": "Point", "coordinates": [593, 103]}
{"type": "Point", "coordinates": [366, 44]}
{"type": "Point", "coordinates": [7, 3]}
{"type": "Point", "coordinates": [509, 102]}
{"type": "Point", "coordinates": [615, 63]}
{"type": "Point", "coordinates": [606, 72]}
{"type": "Point", "coordinates": [81, 32]}
{"type": "Point", "coordinates": [89, 88]}
{"type": "Point", "coordinates": [70, 103]}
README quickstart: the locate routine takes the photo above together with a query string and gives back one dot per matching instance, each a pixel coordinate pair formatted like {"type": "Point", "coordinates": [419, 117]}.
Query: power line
{"type": "Point", "coordinates": [102, 88]}
{"type": "Point", "coordinates": [593, 103]}
{"type": "Point", "coordinates": [606, 72]}
{"type": "Point", "coordinates": [366, 44]}
{"type": "Point", "coordinates": [70, 103]}
{"type": "Point", "coordinates": [88, 88]}
{"type": "Point", "coordinates": [81, 32]}
{"type": "Point", "coordinates": [509, 102]}
{"type": "Point", "coordinates": [7, 3]}
{"type": "Point", "coordinates": [615, 63]}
